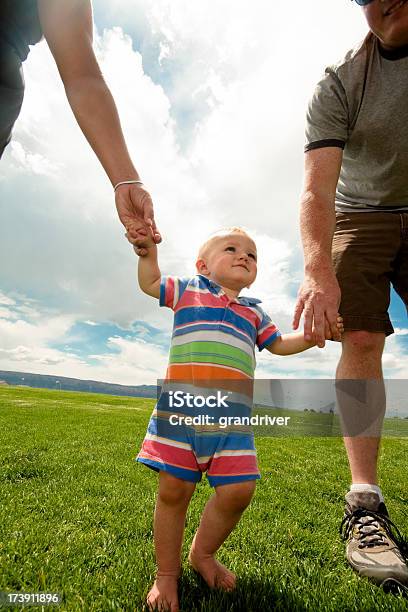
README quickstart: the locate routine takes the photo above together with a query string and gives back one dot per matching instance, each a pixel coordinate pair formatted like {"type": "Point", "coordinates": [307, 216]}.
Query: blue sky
{"type": "Point", "coordinates": [212, 106]}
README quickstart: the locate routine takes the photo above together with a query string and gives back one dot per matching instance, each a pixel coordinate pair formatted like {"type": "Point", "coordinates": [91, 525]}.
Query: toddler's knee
{"type": "Point", "coordinates": [174, 491]}
{"type": "Point", "coordinates": [236, 497]}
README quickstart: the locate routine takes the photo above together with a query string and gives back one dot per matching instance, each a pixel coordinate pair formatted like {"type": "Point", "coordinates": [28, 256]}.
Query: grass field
{"type": "Point", "coordinates": [76, 513]}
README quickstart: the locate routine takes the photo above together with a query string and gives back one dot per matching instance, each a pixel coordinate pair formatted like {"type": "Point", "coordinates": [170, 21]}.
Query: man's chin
{"type": "Point", "coordinates": [394, 44]}
{"type": "Point", "coordinates": [395, 38]}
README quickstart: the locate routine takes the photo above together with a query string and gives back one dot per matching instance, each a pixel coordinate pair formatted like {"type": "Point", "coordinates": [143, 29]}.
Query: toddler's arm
{"type": "Point", "coordinates": [149, 274]}
{"type": "Point", "coordinates": [290, 344]}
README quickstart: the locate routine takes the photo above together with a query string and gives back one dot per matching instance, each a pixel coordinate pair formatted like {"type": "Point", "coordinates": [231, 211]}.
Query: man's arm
{"type": "Point", "coordinates": [319, 295]}
{"type": "Point", "coordinates": [67, 27]}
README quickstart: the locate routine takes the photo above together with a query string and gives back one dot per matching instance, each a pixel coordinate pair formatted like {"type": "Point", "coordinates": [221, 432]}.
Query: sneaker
{"type": "Point", "coordinates": [374, 542]}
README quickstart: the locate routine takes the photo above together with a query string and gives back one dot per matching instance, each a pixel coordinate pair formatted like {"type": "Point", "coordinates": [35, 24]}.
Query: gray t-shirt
{"type": "Point", "coordinates": [361, 105]}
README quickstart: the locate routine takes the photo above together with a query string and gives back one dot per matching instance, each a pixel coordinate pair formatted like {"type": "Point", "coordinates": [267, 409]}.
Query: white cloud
{"type": "Point", "coordinates": [16, 331]}
{"type": "Point", "coordinates": [315, 363]}
{"type": "Point", "coordinates": [136, 362]}
{"type": "Point", "coordinates": [395, 360]}
{"type": "Point", "coordinates": [6, 300]}
{"type": "Point", "coordinates": [27, 345]}
{"type": "Point", "coordinates": [399, 331]}
{"type": "Point", "coordinates": [126, 367]}
{"type": "Point", "coordinates": [32, 162]}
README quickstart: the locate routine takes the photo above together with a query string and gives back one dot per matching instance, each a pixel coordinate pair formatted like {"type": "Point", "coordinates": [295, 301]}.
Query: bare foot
{"type": "Point", "coordinates": [163, 594]}
{"type": "Point", "coordinates": [216, 575]}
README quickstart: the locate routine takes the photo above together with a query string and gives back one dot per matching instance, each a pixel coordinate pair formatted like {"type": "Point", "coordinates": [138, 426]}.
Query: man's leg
{"type": "Point", "coordinates": [361, 360]}
{"type": "Point", "coordinates": [372, 550]}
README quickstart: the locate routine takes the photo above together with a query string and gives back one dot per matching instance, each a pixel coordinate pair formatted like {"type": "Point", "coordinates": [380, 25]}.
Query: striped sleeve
{"type": "Point", "coordinates": [171, 290]}
{"type": "Point", "coordinates": [267, 331]}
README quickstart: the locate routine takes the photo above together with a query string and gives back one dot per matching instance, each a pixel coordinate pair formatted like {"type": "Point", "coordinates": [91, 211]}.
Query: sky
{"type": "Point", "coordinates": [212, 98]}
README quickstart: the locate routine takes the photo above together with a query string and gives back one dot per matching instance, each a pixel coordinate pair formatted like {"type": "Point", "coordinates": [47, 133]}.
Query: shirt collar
{"type": "Point", "coordinates": [249, 301]}
{"type": "Point", "coordinates": [396, 53]}
{"type": "Point", "coordinates": [245, 301]}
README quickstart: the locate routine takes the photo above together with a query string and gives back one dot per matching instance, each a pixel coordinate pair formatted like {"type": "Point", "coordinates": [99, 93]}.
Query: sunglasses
{"type": "Point", "coordinates": [363, 2]}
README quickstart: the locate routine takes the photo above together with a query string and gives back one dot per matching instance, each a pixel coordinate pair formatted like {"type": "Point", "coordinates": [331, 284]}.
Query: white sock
{"type": "Point", "coordinates": [367, 488]}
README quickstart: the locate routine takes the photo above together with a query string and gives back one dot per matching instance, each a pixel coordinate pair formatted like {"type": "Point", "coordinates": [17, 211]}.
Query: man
{"type": "Point", "coordinates": [354, 224]}
{"type": "Point", "coordinates": [67, 27]}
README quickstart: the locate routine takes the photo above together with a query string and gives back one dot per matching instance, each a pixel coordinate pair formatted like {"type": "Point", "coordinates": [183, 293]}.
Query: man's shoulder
{"type": "Point", "coordinates": [354, 62]}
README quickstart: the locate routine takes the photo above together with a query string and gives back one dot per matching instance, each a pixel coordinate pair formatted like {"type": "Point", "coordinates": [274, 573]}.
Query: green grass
{"type": "Point", "coordinates": [76, 513]}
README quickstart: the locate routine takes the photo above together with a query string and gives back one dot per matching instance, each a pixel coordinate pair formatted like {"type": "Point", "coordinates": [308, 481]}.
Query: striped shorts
{"type": "Point", "coordinates": [187, 449]}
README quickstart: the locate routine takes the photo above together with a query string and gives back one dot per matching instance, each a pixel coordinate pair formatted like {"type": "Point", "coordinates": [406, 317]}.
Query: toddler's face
{"type": "Point", "coordinates": [230, 261]}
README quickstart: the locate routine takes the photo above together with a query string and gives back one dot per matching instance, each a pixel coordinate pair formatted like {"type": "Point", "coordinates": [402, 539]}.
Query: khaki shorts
{"type": "Point", "coordinates": [370, 252]}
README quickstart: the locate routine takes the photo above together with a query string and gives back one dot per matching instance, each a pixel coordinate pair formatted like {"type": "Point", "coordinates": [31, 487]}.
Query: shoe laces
{"type": "Point", "coordinates": [374, 529]}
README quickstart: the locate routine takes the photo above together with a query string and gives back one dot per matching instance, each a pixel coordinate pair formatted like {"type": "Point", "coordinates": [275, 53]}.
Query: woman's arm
{"type": "Point", "coordinates": [67, 27]}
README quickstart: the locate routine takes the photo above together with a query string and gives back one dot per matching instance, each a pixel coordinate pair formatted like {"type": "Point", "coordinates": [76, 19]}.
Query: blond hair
{"type": "Point", "coordinates": [222, 233]}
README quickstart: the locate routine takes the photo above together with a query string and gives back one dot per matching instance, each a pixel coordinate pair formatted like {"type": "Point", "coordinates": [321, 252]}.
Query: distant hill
{"type": "Point", "coordinates": [42, 381]}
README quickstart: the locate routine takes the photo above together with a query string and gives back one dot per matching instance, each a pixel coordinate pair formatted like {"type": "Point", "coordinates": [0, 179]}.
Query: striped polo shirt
{"type": "Point", "coordinates": [214, 336]}
{"type": "Point", "coordinates": [212, 348]}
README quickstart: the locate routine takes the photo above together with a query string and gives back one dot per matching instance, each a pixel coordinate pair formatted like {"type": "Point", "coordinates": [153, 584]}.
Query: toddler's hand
{"type": "Point", "coordinates": [340, 329]}
{"type": "Point", "coordinates": [146, 240]}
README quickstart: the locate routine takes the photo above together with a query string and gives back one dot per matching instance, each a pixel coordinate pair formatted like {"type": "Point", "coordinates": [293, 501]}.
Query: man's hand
{"type": "Point", "coordinates": [318, 300]}
{"type": "Point", "coordinates": [135, 210]}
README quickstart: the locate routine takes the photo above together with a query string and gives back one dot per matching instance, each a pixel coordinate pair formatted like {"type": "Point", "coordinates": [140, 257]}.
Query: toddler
{"type": "Point", "coordinates": [214, 337]}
